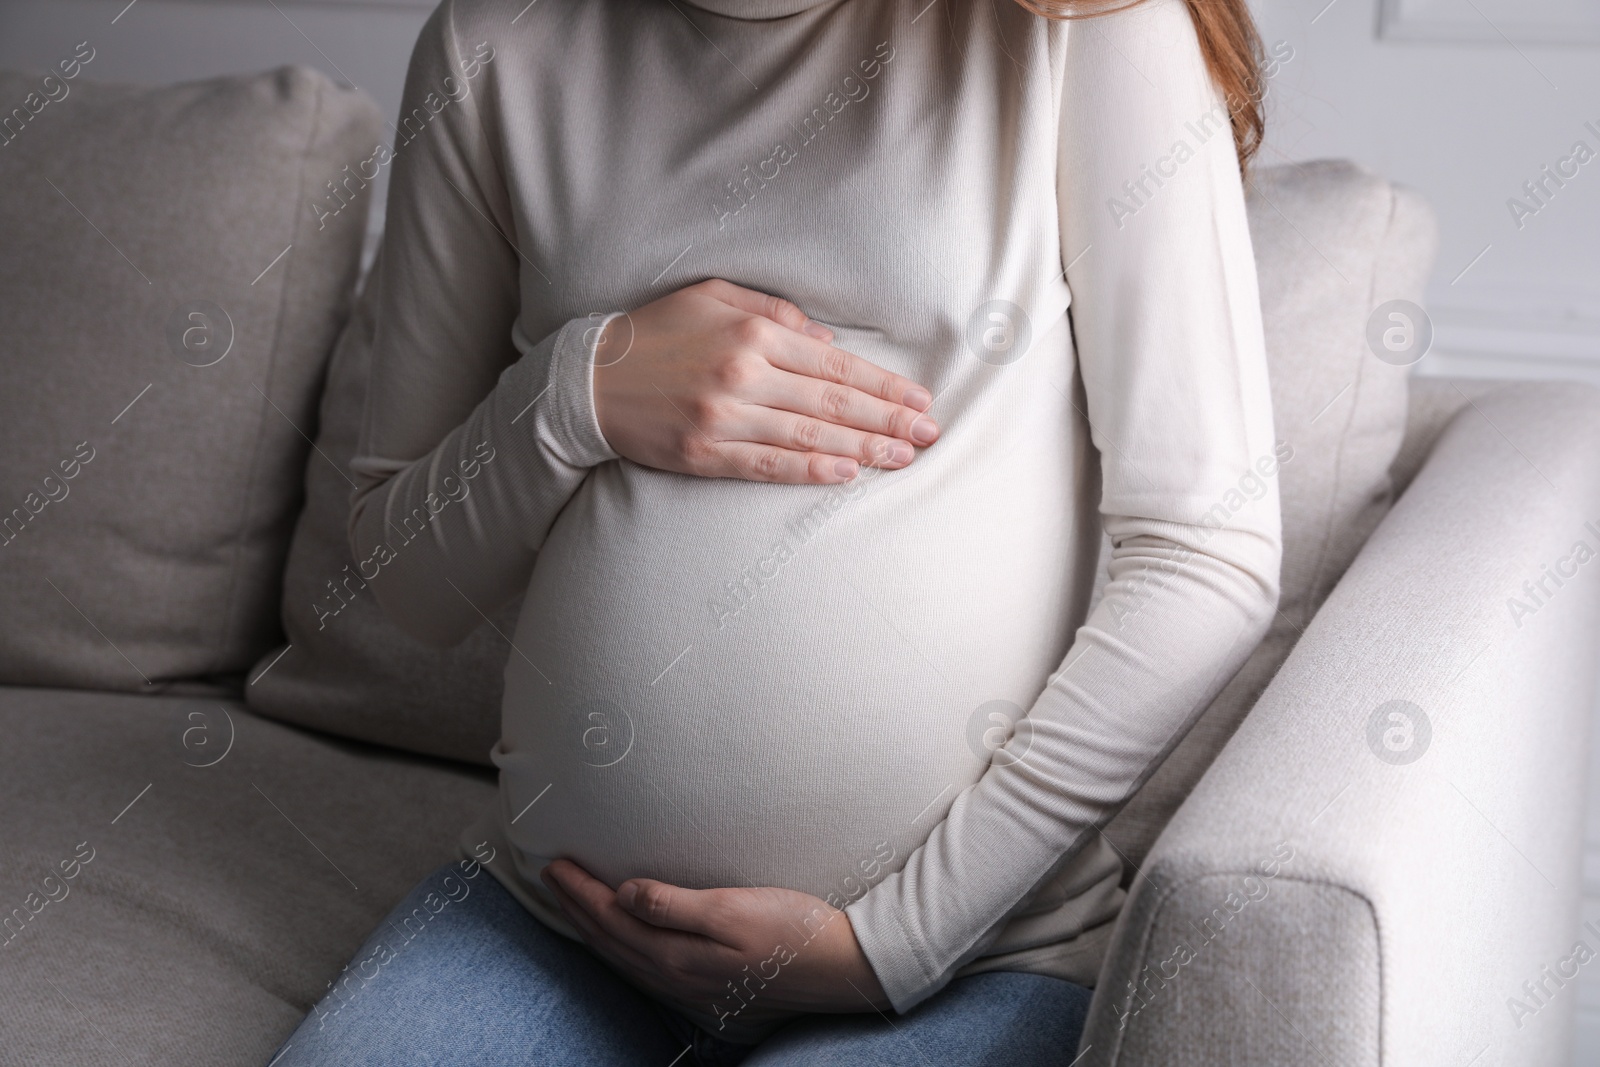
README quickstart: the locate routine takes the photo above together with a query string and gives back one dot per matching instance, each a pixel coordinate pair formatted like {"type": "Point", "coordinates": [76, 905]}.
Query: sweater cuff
{"type": "Point", "coordinates": [566, 412]}
{"type": "Point", "coordinates": [890, 949]}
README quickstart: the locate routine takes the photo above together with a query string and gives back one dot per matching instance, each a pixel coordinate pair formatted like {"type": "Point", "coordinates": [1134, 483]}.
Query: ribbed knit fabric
{"type": "Point", "coordinates": [722, 683]}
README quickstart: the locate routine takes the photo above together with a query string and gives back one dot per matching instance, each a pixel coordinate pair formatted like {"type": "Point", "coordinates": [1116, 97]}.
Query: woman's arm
{"type": "Point", "coordinates": [476, 434]}
{"type": "Point", "coordinates": [1167, 322]}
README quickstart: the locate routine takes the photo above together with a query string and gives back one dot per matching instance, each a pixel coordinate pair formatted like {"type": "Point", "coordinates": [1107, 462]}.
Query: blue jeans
{"type": "Point", "coordinates": [460, 973]}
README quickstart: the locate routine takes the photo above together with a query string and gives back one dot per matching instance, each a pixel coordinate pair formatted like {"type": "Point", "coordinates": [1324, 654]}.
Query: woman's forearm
{"type": "Point", "coordinates": [446, 539]}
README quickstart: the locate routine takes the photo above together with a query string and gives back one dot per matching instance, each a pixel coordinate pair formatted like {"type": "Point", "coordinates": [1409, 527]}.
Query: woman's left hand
{"type": "Point", "coordinates": [755, 954]}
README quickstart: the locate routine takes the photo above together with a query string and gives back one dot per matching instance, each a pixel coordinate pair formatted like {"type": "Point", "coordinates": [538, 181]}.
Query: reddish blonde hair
{"type": "Point", "coordinates": [1229, 42]}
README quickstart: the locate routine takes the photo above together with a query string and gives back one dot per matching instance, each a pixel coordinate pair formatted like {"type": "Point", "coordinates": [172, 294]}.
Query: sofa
{"type": "Point", "coordinates": [222, 766]}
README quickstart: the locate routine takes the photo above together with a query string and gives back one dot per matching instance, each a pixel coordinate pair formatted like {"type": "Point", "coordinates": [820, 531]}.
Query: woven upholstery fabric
{"type": "Point", "coordinates": [1433, 403]}
{"type": "Point", "coordinates": [170, 301]}
{"type": "Point", "coordinates": [235, 865]}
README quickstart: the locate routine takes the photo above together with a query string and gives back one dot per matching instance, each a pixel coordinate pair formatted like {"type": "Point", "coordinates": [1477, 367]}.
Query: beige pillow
{"type": "Point", "coordinates": [1333, 243]}
{"type": "Point", "coordinates": [170, 300]}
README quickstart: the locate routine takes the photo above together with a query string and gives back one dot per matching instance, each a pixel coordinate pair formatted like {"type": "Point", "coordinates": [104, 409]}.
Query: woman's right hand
{"type": "Point", "coordinates": [721, 381]}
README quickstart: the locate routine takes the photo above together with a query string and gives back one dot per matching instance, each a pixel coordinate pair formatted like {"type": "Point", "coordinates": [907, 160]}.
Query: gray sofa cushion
{"type": "Point", "coordinates": [152, 442]}
{"type": "Point", "coordinates": [1332, 243]}
{"type": "Point", "coordinates": [212, 912]}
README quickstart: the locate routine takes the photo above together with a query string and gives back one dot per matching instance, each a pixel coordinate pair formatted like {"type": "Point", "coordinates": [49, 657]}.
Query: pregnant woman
{"type": "Point", "coordinates": [793, 359]}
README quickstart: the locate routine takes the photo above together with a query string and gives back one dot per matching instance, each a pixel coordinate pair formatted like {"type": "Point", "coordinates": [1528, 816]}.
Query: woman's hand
{"type": "Point", "coordinates": [724, 382]}
{"type": "Point", "coordinates": [724, 956]}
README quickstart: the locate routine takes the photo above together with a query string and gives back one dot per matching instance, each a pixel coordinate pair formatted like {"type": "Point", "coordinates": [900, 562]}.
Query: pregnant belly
{"type": "Point", "coordinates": [716, 683]}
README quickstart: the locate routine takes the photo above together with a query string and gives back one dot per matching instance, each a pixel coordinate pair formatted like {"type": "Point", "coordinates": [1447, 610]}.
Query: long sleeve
{"type": "Point", "coordinates": [475, 435]}
{"type": "Point", "coordinates": [1167, 326]}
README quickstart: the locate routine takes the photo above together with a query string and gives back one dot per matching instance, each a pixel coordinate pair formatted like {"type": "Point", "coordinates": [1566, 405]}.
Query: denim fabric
{"type": "Point", "coordinates": [460, 973]}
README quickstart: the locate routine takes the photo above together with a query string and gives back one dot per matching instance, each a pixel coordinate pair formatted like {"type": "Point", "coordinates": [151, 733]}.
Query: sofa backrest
{"type": "Point", "coordinates": [169, 305]}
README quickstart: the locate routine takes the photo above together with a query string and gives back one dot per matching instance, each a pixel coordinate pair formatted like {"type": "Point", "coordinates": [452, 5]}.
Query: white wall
{"type": "Point", "coordinates": [1457, 98]}
{"type": "Point", "coordinates": [1467, 122]}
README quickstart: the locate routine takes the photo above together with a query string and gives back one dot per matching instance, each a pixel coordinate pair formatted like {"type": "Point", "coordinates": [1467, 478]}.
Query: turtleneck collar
{"type": "Point", "coordinates": [757, 9]}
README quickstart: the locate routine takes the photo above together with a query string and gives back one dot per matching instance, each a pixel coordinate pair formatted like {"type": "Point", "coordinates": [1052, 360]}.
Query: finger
{"type": "Point", "coordinates": [652, 950]}
{"type": "Point", "coordinates": [779, 310]}
{"type": "Point", "coordinates": [599, 904]}
{"type": "Point", "coordinates": [804, 434]}
{"type": "Point", "coordinates": [592, 906]}
{"type": "Point", "coordinates": [671, 907]}
{"type": "Point", "coordinates": [766, 463]}
{"type": "Point", "coordinates": [589, 892]}
{"type": "Point", "coordinates": [620, 953]}
{"type": "Point", "coordinates": [842, 405]}
{"type": "Point", "coordinates": [814, 359]}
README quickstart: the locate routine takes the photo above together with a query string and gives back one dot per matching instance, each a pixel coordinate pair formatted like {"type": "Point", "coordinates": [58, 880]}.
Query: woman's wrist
{"type": "Point", "coordinates": [562, 412]}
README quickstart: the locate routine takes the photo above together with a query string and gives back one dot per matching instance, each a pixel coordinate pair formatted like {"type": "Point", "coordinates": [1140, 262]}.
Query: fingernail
{"type": "Point", "coordinates": [923, 431]}
{"type": "Point", "coordinates": [817, 330]}
{"type": "Point", "coordinates": [845, 468]}
{"type": "Point", "coordinates": [917, 397]}
{"type": "Point", "coordinates": [900, 452]}
{"type": "Point", "coordinates": [627, 894]}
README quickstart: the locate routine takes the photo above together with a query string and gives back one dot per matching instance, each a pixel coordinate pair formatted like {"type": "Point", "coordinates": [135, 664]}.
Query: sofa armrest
{"type": "Point", "coordinates": [1432, 404]}
{"type": "Point", "coordinates": [1339, 892]}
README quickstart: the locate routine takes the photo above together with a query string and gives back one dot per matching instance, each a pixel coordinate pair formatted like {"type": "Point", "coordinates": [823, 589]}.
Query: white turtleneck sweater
{"type": "Point", "coordinates": [723, 683]}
